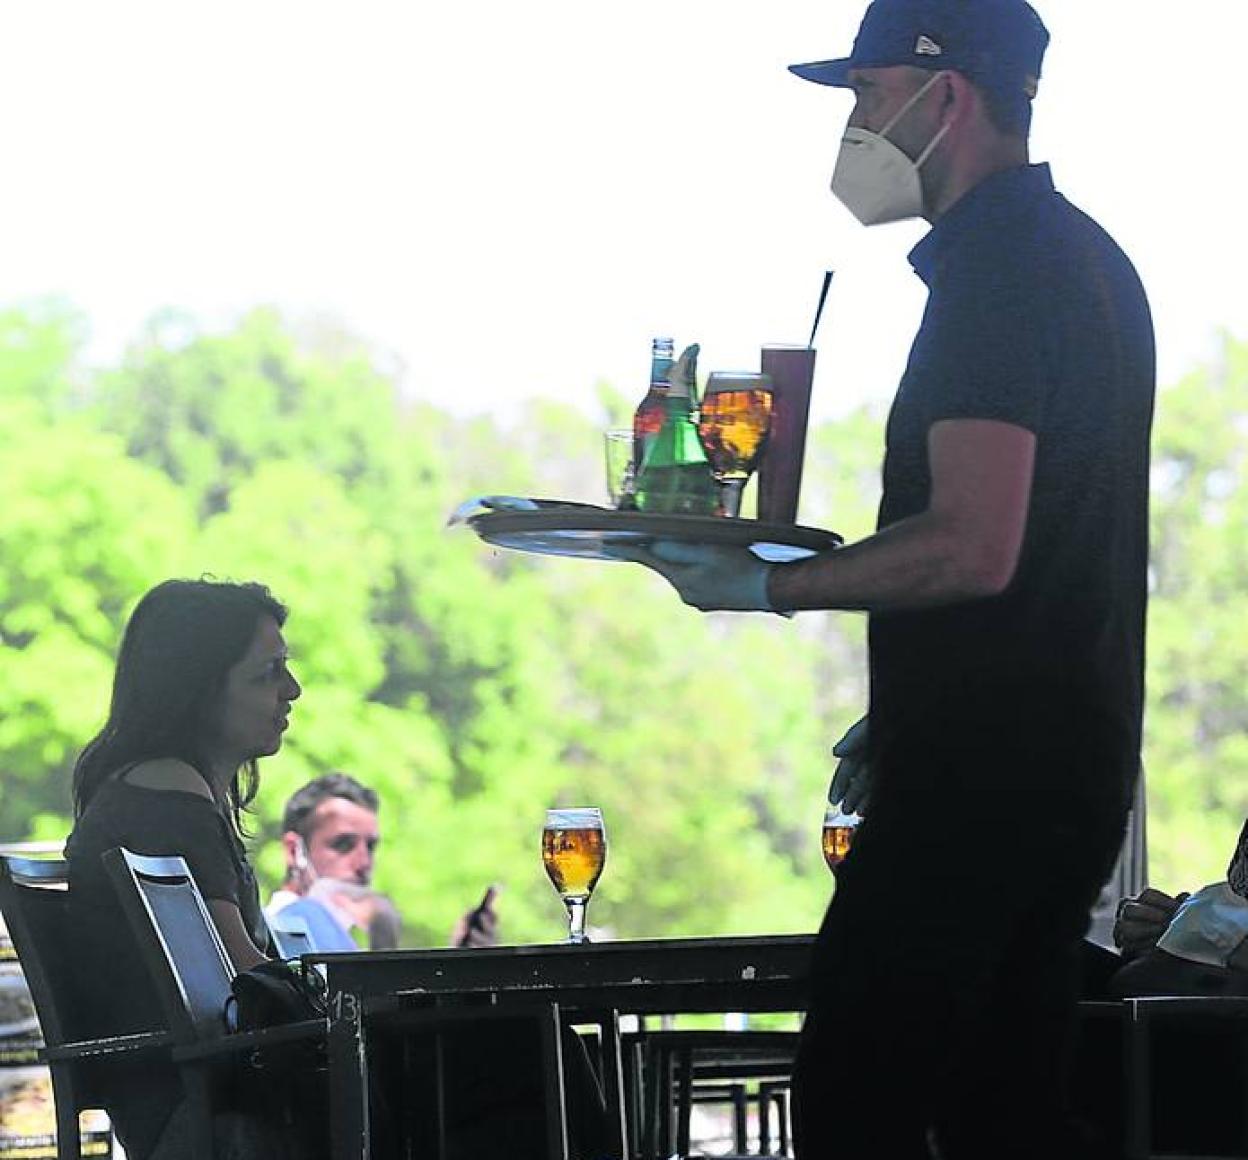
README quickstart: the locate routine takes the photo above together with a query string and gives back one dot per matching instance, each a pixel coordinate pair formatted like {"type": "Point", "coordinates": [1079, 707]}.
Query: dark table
{"type": "Point", "coordinates": [662, 976]}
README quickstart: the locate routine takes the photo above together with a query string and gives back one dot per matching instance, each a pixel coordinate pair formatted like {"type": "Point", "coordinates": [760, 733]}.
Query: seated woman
{"type": "Point", "coordinates": [201, 690]}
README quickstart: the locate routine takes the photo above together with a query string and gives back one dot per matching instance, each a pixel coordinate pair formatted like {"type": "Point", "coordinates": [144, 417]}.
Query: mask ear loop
{"type": "Point", "coordinates": [936, 140]}
{"type": "Point", "coordinates": [897, 116]}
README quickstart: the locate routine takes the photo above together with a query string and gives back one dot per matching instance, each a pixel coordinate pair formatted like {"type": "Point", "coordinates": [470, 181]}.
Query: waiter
{"type": "Point", "coordinates": [1006, 586]}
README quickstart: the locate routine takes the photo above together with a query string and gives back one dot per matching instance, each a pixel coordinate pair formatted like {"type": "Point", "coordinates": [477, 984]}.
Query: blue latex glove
{"type": "Point", "coordinates": [851, 784]}
{"type": "Point", "coordinates": [492, 503]}
{"type": "Point", "coordinates": [711, 577]}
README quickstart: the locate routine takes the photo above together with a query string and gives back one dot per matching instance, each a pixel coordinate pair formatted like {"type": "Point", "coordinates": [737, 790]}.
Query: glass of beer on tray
{"type": "Point", "coordinates": [574, 851]}
{"type": "Point", "coordinates": [838, 834]}
{"type": "Point", "coordinates": [733, 421]}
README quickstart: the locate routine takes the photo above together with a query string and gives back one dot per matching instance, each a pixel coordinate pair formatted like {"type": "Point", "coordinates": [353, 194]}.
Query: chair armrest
{"type": "Point", "coordinates": [128, 1045]}
{"type": "Point", "coordinates": [308, 1031]}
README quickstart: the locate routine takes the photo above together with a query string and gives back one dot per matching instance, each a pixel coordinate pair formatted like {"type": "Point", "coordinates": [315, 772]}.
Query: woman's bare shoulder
{"type": "Point", "coordinates": [168, 773]}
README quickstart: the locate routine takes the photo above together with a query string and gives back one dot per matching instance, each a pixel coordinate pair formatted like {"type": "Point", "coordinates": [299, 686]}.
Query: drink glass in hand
{"type": "Point", "coordinates": [574, 851]}
{"type": "Point", "coordinates": [733, 421]}
{"type": "Point", "coordinates": [838, 834]}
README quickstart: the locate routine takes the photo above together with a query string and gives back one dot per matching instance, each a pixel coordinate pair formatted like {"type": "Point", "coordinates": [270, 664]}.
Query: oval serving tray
{"type": "Point", "coordinates": [579, 530]}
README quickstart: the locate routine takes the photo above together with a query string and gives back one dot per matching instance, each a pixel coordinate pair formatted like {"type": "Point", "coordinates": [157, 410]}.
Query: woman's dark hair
{"type": "Point", "coordinates": [182, 639]}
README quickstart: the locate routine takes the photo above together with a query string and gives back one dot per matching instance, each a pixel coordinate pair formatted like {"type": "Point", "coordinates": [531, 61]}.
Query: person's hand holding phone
{"type": "Point", "coordinates": [479, 927]}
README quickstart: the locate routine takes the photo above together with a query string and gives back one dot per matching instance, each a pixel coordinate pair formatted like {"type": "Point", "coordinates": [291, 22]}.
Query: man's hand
{"type": "Point", "coordinates": [479, 927]}
{"type": "Point", "coordinates": [712, 577]}
{"type": "Point", "coordinates": [851, 784]}
{"type": "Point", "coordinates": [367, 908]}
{"type": "Point", "coordinates": [1142, 920]}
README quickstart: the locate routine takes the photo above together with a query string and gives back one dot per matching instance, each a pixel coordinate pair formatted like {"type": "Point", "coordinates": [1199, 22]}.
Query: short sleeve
{"type": "Point", "coordinates": [191, 826]}
{"type": "Point", "coordinates": [160, 824]}
{"type": "Point", "coordinates": [986, 344]}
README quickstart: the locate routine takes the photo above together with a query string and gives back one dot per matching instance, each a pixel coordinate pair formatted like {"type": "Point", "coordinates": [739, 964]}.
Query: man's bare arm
{"type": "Point", "coordinates": [964, 546]}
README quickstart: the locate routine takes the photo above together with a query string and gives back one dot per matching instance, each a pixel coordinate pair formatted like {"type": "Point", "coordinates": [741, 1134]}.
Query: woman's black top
{"type": "Point", "coordinates": [119, 992]}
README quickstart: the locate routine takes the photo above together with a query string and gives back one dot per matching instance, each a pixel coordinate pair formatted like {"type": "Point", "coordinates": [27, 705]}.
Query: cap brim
{"type": "Point", "coordinates": [824, 72]}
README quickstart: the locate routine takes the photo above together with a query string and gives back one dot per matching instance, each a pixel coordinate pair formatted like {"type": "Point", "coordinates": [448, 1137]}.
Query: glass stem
{"type": "Point", "coordinates": [576, 919]}
{"type": "Point", "coordinates": [730, 497]}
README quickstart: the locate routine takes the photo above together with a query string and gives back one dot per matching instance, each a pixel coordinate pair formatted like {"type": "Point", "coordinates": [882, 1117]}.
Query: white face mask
{"type": "Point", "coordinates": [874, 179]}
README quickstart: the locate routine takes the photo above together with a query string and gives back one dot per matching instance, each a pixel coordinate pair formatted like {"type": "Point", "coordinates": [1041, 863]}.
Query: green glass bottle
{"type": "Point", "coordinates": [675, 477]}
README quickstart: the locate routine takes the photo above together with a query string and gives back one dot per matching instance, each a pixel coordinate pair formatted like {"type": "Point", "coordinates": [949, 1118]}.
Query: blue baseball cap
{"type": "Point", "coordinates": [998, 44]}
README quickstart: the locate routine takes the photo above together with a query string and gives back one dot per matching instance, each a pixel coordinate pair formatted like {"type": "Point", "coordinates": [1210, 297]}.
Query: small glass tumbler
{"type": "Point", "coordinates": [621, 484]}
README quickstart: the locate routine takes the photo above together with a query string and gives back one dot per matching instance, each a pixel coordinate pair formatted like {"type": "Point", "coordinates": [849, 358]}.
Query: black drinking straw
{"type": "Point", "coordinates": [823, 297]}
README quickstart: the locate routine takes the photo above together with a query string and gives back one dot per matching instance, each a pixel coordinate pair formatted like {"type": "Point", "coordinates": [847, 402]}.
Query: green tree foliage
{"type": "Point", "coordinates": [74, 557]}
{"type": "Point", "coordinates": [474, 687]}
{"type": "Point", "coordinates": [39, 350]}
{"type": "Point", "coordinates": [1196, 731]}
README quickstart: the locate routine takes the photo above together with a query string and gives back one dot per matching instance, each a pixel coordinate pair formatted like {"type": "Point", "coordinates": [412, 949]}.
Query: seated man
{"type": "Point", "coordinates": [1191, 944]}
{"type": "Point", "coordinates": [1186, 945]}
{"type": "Point", "coordinates": [330, 838]}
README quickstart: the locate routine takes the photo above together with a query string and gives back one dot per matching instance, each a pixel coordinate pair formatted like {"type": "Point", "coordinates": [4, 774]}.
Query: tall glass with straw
{"type": "Point", "coordinates": [792, 370]}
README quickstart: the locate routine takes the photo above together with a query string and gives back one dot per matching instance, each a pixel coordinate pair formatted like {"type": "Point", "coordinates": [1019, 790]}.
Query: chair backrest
{"type": "Point", "coordinates": [34, 898]}
{"type": "Point", "coordinates": [291, 935]}
{"type": "Point", "coordinates": [324, 930]}
{"type": "Point", "coordinates": [177, 940]}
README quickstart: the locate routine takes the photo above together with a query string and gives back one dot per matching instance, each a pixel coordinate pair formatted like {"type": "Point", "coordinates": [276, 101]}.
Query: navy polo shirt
{"type": "Point", "coordinates": [1036, 318]}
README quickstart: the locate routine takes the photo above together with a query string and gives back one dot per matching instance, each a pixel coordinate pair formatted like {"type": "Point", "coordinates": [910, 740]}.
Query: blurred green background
{"type": "Point", "coordinates": [473, 688]}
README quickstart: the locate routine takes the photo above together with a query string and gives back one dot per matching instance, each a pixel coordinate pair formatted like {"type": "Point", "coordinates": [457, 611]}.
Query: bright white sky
{"type": "Point", "coordinates": [514, 197]}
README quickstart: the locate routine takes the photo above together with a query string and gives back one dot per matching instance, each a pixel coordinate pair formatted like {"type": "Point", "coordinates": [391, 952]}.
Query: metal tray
{"type": "Point", "coordinates": [580, 530]}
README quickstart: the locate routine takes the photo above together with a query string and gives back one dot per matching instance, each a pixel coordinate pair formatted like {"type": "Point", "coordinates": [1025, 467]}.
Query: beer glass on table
{"type": "Point", "coordinates": [574, 851]}
{"type": "Point", "coordinates": [733, 421]}
{"type": "Point", "coordinates": [838, 834]}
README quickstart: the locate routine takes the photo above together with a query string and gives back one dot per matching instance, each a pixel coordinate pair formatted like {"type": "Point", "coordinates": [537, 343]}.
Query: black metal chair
{"type": "Point", "coordinates": [191, 973]}
{"type": "Point", "coordinates": [675, 1070]}
{"type": "Point", "coordinates": [34, 898]}
{"type": "Point", "coordinates": [291, 936]}
{"type": "Point", "coordinates": [415, 1060]}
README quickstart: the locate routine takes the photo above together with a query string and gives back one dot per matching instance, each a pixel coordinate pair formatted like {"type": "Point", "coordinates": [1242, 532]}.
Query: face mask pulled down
{"type": "Point", "coordinates": [874, 179]}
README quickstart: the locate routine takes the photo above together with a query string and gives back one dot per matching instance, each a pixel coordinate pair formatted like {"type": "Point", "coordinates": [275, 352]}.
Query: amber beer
{"type": "Point", "coordinates": [574, 851]}
{"type": "Point", "coordinates": [836, 842]}
{"type": "Point", "coordinates": [733, 423]}
{"type": "Point", "coordinates": [838, 835]}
